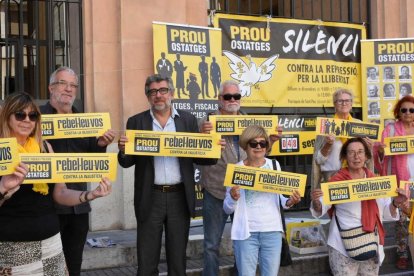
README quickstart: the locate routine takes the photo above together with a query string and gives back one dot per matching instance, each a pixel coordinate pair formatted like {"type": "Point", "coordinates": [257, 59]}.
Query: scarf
{"type": "Point", "coordinates": [369, 208]}
{"type": "Point", "coordinates": [31, 146]}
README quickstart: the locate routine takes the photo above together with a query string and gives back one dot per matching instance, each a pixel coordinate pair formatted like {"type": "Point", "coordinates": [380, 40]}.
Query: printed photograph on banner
{"type": "Point", "coordinates": [58, 126]}
{"type": "Point", "coordinates": [235, 124]}
{"type": "Point", "coordinates": [264, 180]}
{"type": "Point", "coordinates": [298, 136]}
{"type": "Point", "coordinates": [178, 144]}
{"type": "Point", "coordinates": [69, 167]}
{"type": "Point", "coordinates": [359, 189]}
{"type": "Point", "coordinates": [399, 145]}
{"type": "Point", "coordinates": [409, 188]}
{"type": "Point", "coordinates": [346, 129]}
{"type": "Point", "coordinates": [9, 155]}
{"type": "Point", "coordinates": [284, 62]}
{"type": "Point", "coordinates": [388, 64]}
{"type": "Point", "coordinates": [191, 56]}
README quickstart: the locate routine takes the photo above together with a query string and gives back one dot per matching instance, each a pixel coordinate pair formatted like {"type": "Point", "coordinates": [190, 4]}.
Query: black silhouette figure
{"type": "Point", "coordinates": [179, 80]}
{"type": "Point", "coordinates": [192, 87]}
{"type": "Point", "coordinates": [348, 128]}
{"type": "Point", "coordinates": [164, 67]}
{"type": "Point", "coordinates": [333, 125]}
{"type": "Point", "coordinates": [327, 125]}
{"type": "Point", "coordinates": [342, 127]}
{"type": "Point", "coordinates": [203, 69]}
{"type": "Point", "coordinates": [215, 75]}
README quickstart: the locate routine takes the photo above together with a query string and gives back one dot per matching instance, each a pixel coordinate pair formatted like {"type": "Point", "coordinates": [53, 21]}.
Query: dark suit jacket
{"type": "Point", "coordinates": [144, 165]}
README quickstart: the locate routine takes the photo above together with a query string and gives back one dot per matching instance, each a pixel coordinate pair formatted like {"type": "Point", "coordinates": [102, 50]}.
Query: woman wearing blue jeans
{"type": "Point", "coordinates": [257, 226]}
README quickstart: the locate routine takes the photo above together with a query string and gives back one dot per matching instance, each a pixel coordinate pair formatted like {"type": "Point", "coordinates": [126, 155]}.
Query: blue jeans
{"type": "Point", "coordinates": [214, 220]}
{"type": "Point", "coordinates": [262, 247]}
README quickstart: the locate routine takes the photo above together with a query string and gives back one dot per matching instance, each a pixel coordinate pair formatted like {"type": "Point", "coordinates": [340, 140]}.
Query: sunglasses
{"type": "Point", "coordinates": [253, 144]}
{"type": "Point", "coordinates": [404, 110]}
{"type": "Point", "coordinates": [227, 97]}
{"type": "Point", "coordinates": [21, 116]}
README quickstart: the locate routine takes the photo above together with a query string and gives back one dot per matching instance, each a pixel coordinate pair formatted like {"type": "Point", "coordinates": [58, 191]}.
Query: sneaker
{"type": "Point", "coordinates": [402, 263]}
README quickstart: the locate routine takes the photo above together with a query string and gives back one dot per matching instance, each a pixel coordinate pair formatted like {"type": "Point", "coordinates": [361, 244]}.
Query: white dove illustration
{"type": "Point", "coordinates": [249, 75]}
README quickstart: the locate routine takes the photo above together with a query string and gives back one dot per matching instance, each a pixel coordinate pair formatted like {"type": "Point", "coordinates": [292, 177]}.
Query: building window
{"type": "Point", "coordinates": [36, 37]}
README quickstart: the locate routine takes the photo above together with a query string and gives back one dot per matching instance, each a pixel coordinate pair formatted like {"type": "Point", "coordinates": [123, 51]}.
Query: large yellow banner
{"type": "Point", "coordinates": [387, 69]}
{"type": "Point", "coordinates": [9, 156]}
{"type": "Point", "coordinates": [69, 167]}
{"type": "Point", "coordinates": [265, 180]}
{"type": "Point", "coordinates": [58, 126]}
{"type": "Point", "coordinates": [298, 135]}
{"type": "Point", "coordinates": [346, 129]}
{"type": "Point", "coordinates": [191, 56]}
{"type": "Point", "coordinates": [285, 62]}
{"type": "Point", "coordinates": [179, 144]}
{"type": "Point", "coordinates": [235, 124]}
{"type": "Point", "coordinates": [359, 189]}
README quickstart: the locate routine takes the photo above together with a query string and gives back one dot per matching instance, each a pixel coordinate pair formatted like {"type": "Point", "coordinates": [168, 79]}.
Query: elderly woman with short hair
{"type": "Point", "coordinates": [257, 226]}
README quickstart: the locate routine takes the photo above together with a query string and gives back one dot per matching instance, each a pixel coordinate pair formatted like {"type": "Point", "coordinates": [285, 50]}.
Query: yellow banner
{"type": "Point", "coordinates": [290, 63]}
{"type": "Point", "coordinates": [399, 145]}
{"type": "Point", "coordinates": [265, 180]}
{"type": "Point", "coordinates": [191, 56]}
{"type": "Point", "coordinates": [359, 189]}
{"type": "Point", "coordinates": [58, 126]}
{"type": "Point", "coordinates": [409, 188]}
{"type": "Point", "coordinates": [387, 70]}
{"type": "Point", "coordinates": [9, 156]}
{"type": "Point", "coordinates": [346, 129]}
{"type": "Point", "coordinates": [298, 135]}
{"type": "Point", "coordinates": [179, 144]}
{"type": "Point", "coordinates": [235, 124]}
{"type": "Point", "coordinates": [69, 167]}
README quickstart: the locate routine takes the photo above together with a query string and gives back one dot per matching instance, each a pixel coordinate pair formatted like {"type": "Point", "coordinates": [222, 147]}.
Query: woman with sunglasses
{"type": "Point", "coordinates": [30, 243]}
{"type": "Point", "coordinates": [257, 226]}
{"type": "Point", "coordinates": [400, 165]}
{"type": "Point", "coordinates": [352, 215]}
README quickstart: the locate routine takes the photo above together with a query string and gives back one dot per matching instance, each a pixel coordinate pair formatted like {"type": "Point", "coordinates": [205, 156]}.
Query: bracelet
{"type": "Point", "coordinates": [393, 204]}
{"type": "Point", "coordinates": [86, 196]}
{"type": "Point", "coordinates": [80, 197]}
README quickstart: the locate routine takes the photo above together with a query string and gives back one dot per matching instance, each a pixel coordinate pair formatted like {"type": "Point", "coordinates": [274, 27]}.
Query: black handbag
{"type": "Point", "coordinates": [285, 257]}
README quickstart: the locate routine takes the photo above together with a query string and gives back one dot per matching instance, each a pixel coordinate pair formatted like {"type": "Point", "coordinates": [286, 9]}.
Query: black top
{"type": "Point", "coordinates": [73, 145]}
{"type": "Point", "coordinates": [28, 216]}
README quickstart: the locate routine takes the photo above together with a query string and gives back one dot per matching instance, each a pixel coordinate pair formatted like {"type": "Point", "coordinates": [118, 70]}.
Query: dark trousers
{"type": "Point", "coordinates": [169, 212]}
{"type": "Point", "coordinates": [73, 230]}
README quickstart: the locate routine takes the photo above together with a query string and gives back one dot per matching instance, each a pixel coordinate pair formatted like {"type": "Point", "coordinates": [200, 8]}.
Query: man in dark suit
{"type": "Point", "coordinates": [164, 186]}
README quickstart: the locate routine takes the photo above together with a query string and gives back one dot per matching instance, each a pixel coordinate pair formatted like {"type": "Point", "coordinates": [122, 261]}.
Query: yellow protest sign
{"type": "Point", "coordinates": [179, 144]}
{"type": "Point", "coordinates": [58, 126]}
{"type": "Point", "coordinates": [265, 180]}
{"type": "Point", "coordinates": [9, 156]}
{"type": "Point", "coordinates": [345, 128]}
{"type": "Point", "coordinates": [359, 189]}
{"type": "Point", "coordinates": [399, 145]}
{"type": "Point", "coordinates": [387, 70]}
{"type": "Point", "coordinates": [69, 167]}
{"type": "Point", "coordinates": [235, 124]}
{"type": "Point", "coordinates": [409, 188]}
{"type": "Point", "coordinates": [298, 135]}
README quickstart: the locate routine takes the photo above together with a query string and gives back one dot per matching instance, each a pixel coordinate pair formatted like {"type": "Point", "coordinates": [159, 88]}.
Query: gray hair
{"type": "Point", "coordinates": [158, 78]}
{"type": "Point", "coordinates": [52, 78]}
{"type": "Point", "coordinates": [341, 91]}
{"type": "Point", "coordinates": [227, 83]}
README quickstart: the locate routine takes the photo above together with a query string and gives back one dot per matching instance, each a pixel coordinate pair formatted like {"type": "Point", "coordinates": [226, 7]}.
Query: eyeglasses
{"type": "Point", "coordinates": [404, 110]}
{"type": "Point", "coordinates": [356, 153]}
{"type": "Point", "coordinates": [21, 116]}
{"type": "Point", "coordinates": [343, 102]}
{"type": "Point", "coordinates": [66, 84]}
{"type": "Point", "coordinates": [162, 90]}
{"type": "Point", "coordinates": [227, 97]}
{"type": "Point", "coordinates": [253, 144]}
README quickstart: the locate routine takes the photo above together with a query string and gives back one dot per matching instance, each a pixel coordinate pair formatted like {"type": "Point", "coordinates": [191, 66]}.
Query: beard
{"type": "Point", "coordinates": [164, 107]}
{"type": "Point", "coordinates": [229, 108]}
